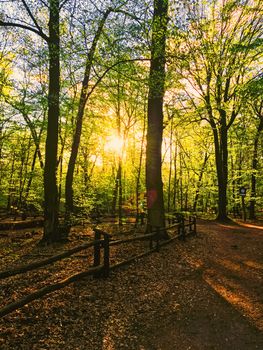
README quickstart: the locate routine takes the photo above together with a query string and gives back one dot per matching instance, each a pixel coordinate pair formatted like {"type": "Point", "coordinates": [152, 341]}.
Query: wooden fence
{"type": "Point", "coordinates": [101, 259]}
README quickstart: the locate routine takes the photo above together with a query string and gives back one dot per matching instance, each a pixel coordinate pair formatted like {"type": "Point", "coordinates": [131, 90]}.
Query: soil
{"type": "Point", "coordinates": [204, 293]}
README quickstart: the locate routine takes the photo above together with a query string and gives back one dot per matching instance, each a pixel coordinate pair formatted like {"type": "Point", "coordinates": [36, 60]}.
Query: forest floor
{"type": "Point", "coordinates": [204, 293]}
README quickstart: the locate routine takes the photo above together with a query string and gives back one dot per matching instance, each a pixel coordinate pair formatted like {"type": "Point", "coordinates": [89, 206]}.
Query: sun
{"type": "Point", "coordinates": [114, 143]}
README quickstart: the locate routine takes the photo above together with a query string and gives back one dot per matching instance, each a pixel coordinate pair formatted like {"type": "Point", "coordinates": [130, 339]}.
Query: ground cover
{"type": "Point", "coordinates": [205, 293]}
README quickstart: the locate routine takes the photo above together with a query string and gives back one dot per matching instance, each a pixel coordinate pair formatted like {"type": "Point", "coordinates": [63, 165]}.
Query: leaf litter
{"type": "Point", "coordinates": [162, 301]}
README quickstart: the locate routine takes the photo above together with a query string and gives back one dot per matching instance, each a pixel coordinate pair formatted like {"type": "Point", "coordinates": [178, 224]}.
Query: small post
{"type": "Point", "coordinates": [97, 237]}
{"type": "Point", "coordinates": [182, 230]}
{"type": "Point", "coordinates": [244, 209]}
{"type": "Point", "coordinates": [179, 229]}
{"type": "Point", "coordinates": [106, 258]}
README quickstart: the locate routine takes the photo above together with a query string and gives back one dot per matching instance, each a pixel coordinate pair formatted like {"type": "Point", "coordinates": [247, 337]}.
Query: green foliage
{"type": "Point", "coordinates": [210, 51]}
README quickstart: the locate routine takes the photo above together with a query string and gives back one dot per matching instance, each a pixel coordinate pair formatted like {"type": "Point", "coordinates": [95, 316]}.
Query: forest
{"type": "Point", "coordinates": [124, 113]}
{"type": "Point", "coordinates": [104, 104]}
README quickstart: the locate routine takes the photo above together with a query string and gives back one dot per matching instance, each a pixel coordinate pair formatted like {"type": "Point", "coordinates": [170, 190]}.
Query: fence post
{"type": "Point", "coordinates": [97, 237]}
{"type": "Point", "coordinates": [106, 245]}
{"type": "Point", "coordinates": [182, 229]}
{"type": "Point", "coordinates": [179, 229]}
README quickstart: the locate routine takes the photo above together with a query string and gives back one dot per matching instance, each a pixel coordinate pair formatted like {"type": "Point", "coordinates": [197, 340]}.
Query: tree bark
{"type": "Point", "coordinates": [221, 156]}
{"type": "Point", "coordinates": [170, 169]}
{"type": "Point", "coordinates": [154, 184]}
{"type": "Point", "coordinates": [138, 177]}
{"type": "Point", "coordinates": [222, 177]}
{"type": "Point", "coordinates": [79, 121]}
{"type": "Point", "coordinates": [51, 233]}
{"type": "Point", "coordinates": [120, 199]}
{"type": "Point", "coordinates": [200, 181]}
{"type": "Point", "coordinates": [220, 134]}
{"type": "Point", "coordinates": [175, 179]}
{"type": "Point", "coordinates": [252, 204]}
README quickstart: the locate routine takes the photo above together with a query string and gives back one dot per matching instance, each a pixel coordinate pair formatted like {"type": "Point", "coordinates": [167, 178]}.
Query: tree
{"type": "Point", "coordinates": [253, 97]}
{"type": "Point", "coordinates": [217, 54]}
{"type": "Point", "coordinates": [86, 91]}
{"type": "Point", "coordinates": [79, 120]}
{"type": "Point", "coordinates": [51, 232]}
{"type": "Point", "coordinates": [154, 184]}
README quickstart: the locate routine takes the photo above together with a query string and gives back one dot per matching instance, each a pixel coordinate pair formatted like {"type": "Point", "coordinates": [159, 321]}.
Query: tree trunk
{"type": "Point", "coordinates": [200, 181]}
{"type": "Point", "coordinates": [138, 178]}
{"type": "Point", "coordinates": [31, 175]}
{"type": "Point", "coordinates": [154, 184]}
{"type": "Point", "coordinates": [170, 169]}
{"type": "Point", "coordinates": [120, 199]}
{"type": "Point", "coordinates": [252, 204]}
{"type": "Point", "coordinates": [115, 195]}
{"type": "Point", "coordinates": [175, 180]}
{"type": "Point", "coordinates": [180, 181]}
{"type": "Point", "coordinates": [81, 108]}
{"type": "Point", "coordinates": [221, 156]}
{"type": "Point", "coordinates": [36, 138]}
{"type": "Point", "coordinates": [23, 173]}
{"type": "Point", "coordinates": [11, 185]}
{"type": "Point", "coordinates": [50, 171]}
{"type": "Point", "coordinates": [233, 184]}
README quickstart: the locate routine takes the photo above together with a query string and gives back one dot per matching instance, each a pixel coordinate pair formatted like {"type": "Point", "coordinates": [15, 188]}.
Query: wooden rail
{"type": "Point", "coordinates": [98, 269]}
{"type": "Point", "coordinates": [44, 262]}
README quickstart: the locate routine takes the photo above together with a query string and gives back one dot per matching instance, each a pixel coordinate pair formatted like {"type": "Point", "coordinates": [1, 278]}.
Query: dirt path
{"type": "Point", "coordinates": [205, 293]}
{"type": "Point", "coordinates": [228, 306]}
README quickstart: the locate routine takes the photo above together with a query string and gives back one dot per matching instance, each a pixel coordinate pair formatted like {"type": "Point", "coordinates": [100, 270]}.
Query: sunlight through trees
{"type": "Point", "coordinates": [106, 104]}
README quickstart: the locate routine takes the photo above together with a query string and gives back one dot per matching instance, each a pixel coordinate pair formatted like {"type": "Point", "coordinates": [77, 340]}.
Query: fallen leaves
{"type": "Point", "coordinates": [138, 307]}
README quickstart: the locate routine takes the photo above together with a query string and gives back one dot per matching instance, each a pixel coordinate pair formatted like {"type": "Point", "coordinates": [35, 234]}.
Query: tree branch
{"type": "Point", "coordinates": [110, 68]}
{"type": "Point", "coordinates": [63, 3]}
{"type": "Point", "coordinates": [32, 17]}
{"type": "Point", "coordinates": [19, 25]}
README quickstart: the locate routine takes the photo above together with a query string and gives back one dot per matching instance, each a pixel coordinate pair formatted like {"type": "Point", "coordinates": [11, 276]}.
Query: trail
{"type": "Point", "coordinates": [228, 309]}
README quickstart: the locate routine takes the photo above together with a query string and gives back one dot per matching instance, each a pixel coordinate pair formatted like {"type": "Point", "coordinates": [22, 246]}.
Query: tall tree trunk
{"type": "Point", "coordinates": [199, 182]}
{"type": "Point", "coordinates": [31, 174]}
{"type": "Point", "coordinates": [60, 176]}
{"type": "Point", "coordinates": [119, 173]}
{"type": "Point", "coordinates": [233, 184]}
{"type": "Point", "coordinates": [154, 184]}
{"type": "Point", "coordinates": [115, 194]}
{"type": "Point", "coordinates": [50, 171]}
{"type": "Point", "coordinates": [221, 156]}
{"type": "Point", "coordinates": [11, 185]}
{"type": "Point", "coordinates": [180, 182]}
{"type": "Point", "coordinates": [252, 204]}
{"type": "Point", "coordinates": [23, 172]}
{"type": "Point", "coordinates": [138, 178]}
{"type": "Point", "coordinates": [1, 150]}
{"type": "Point", "coordinates": [37, 153]}
{"type": "Point", "coordinates": [79, 121]}
{"type": "Point", "coordinates": [170, 169]}
{"type": "Point", "coordinates": [120, 199]}
{"type": "Point", "coordinates": [175, 180]}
